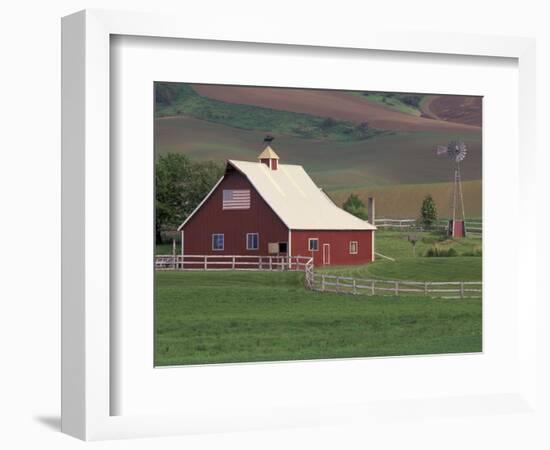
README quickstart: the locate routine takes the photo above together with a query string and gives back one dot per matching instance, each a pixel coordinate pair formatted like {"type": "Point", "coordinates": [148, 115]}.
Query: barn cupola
{"type": "Point", "coordinates": [269, 158]}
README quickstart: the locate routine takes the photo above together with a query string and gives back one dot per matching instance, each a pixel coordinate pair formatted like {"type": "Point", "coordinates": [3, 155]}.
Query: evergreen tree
{"type": "Point", "coordinates": [354, 205]}
{"type": "Point", "coordinates": [428, 211]}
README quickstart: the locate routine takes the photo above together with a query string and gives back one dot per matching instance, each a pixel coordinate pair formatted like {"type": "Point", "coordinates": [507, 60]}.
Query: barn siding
{"type": "Point", "coordinates": [234, 224]}
{"type": "Point", "coordinates": [339, 245]}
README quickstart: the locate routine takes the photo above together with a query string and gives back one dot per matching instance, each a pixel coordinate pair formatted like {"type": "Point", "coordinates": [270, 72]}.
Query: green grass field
{"type": "Point", "coordinates": [222, 317]}
{"type": "Point", "coordinates": [460, 268]}
{"type": "Point", "coordinates": [395, 244]}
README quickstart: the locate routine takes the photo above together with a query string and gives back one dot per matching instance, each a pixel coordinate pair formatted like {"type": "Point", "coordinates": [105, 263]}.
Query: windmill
{"type": "Point", "coordinates": [456, 151]}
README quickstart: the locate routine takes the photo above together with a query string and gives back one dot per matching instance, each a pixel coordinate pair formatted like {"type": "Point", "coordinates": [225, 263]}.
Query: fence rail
{"type": "Point", "coordinates": [473, 227]}
{"type": "Point", "coordinates": [320, 281]}
{"type": "Point", "coordinates": [395, 223]}
{"type": "Point", "coordinates": [230, 262]}
{"type": "Point", "coordinates": [349, 285]}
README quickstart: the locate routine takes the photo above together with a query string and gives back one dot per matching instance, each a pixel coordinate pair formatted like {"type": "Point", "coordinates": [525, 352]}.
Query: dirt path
{"type": "Point", "coordinates": [326, 103]}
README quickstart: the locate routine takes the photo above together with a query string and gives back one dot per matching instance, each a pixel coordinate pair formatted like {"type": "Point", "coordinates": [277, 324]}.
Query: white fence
{"type": "Point", "coordinates": [396, 223]}
{"type": "Point", "coordinates": [319, 281]}
{"type": "Point", "coordinates": [349, 285]}
{"type": "Point", "coordinates": [474, 228]}
{"type": "Point", "coordinates": [231, 262]}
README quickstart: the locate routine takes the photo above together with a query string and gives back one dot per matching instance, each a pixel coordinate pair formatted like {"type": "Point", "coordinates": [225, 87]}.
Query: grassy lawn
{"type": "Point", "coordinates": [395, 244]}
{"type": "Point", "coordinates": [458, 268]}
{"type": "Point", "coordinates": [215, 317]}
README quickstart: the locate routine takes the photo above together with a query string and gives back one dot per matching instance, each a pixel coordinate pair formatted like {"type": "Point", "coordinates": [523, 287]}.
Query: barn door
{"type": "Point", "coordinates": [326, 254]}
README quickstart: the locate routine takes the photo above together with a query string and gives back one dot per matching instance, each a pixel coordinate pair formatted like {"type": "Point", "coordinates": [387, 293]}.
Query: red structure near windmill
{"type": "Point", "coordinates": [272, 209]}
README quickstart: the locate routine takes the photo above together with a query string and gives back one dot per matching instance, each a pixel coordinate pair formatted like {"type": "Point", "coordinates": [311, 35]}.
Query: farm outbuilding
{"type": "Point", "coordinates": [272, 209]}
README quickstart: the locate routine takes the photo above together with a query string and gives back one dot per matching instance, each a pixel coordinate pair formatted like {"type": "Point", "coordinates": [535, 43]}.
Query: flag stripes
{"type": "Point", "coordinates": [236, 199]}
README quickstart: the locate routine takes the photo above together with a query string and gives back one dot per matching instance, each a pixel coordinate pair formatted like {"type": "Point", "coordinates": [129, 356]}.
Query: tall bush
{"type": "Point", "coordinates": [428, 211]}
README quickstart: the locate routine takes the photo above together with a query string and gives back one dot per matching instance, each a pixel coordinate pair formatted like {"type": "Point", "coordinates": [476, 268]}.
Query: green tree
{"type": "Point", "coordinates": [354, 205]}
{"type": "Point", "coordinates": [180, 185]}
{"type": "Point", "coordinates": [428, 211]}
{"type": "Point", "coordinates": [165, 93]}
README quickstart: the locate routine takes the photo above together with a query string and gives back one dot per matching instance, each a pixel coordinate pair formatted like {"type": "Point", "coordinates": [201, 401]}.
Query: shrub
{"type": "Point", "coordinates": [412, 100]}
{"type": "Point", "coordinates": [428, 211]}
{"type": "Point", "coordinates": [475, 252]}
{"type": "Point", "coordinates": [436, 251]}
{"type": "Point", "coordinates": [431, 252]}
{"type": "Point", "coordinates": [327, 123]}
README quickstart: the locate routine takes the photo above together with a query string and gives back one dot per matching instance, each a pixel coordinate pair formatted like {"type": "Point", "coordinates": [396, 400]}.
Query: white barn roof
{"type": "Point", "coordinates": [295, 198]}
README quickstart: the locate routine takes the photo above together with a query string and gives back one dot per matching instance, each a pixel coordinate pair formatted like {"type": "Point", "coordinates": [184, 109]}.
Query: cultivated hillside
{"type": "Point", "coordinates": [395, 158]}
{"type": "Point", "coordinates": [369, 143]}
{"type": "Point", "coordinates": [340, 105]}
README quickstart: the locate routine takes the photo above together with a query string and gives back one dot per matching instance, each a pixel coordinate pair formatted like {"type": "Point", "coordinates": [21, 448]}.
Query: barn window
{"type": "Point", "coordinates": [217, 242]}
{"type": "Point", "coordinates": [353, 247]}
{"type": "Point", "coordinates": [252, 241]}
{"type": "Point", "coordinates": [313, 244]}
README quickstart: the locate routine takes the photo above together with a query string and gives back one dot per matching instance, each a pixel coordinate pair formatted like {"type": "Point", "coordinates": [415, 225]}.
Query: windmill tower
{"type": "Point", "coordinates": [456, 152]}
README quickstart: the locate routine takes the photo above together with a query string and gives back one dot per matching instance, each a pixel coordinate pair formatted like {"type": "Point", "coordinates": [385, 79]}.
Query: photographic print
{"type": "Point", "coordinates": [298, 224]}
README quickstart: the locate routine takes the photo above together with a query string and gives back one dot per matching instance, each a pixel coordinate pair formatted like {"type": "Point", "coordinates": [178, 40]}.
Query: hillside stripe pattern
{"type": "Point", "coordinates": [236, 199]}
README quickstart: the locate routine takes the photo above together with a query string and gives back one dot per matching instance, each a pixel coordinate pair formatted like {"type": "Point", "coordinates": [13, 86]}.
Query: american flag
{"type": "Point", "coordinates": [236, 199]}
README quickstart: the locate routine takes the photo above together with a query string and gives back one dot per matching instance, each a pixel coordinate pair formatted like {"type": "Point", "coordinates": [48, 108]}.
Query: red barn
{"type": "Point", "coordinates": [268, 208]}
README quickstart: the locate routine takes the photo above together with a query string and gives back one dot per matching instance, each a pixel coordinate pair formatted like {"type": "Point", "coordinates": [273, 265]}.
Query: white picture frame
{"type": "Point", "coordinates": [87, 354]}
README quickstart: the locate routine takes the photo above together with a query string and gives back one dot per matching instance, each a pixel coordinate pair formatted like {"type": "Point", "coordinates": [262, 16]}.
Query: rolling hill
{"type": "Point", "coordinates": [396, 160]}
{"type": "Point", "coordinates": [329, 103]}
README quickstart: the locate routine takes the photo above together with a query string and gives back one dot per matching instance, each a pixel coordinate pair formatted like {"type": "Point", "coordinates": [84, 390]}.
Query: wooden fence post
{"type": "Point", "coordinates": [354, 287]}
{"type": "Point", "coordinates": [322, 282]}
{"type": "Point", "coordinates": [205, 263]}
{"type": "Point", "coordinates": [174, 254]}
{"type": "Point", "coordinates": [372, 287]}
{"type": "Point", "coordinates": [425, 288]}
{"type": "Point", "coordinates": [233, 263]}
{"type": "Point", "coordinates": [462, 289]}
{"type": "Point", "coordinates": [397, 288]}
{"type": "Point", "coordinates": [337, 284]}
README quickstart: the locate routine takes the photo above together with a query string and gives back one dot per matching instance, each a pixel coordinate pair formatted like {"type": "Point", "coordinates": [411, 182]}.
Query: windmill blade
{"type": "Point", "coordinates": [460, 152]}
{"type": "Point", "coordinates": [442, 150]}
